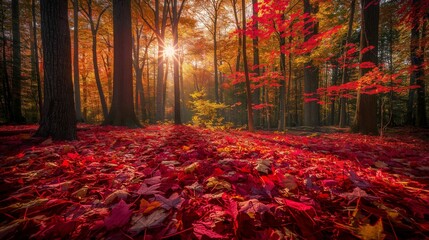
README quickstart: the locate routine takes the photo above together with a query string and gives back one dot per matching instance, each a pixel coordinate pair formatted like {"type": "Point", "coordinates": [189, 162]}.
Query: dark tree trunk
{"type": "Point", "coordinates": [334, 82]}
{"type": "Point", "coordinates": [36, 58]}
{"type": "Point", "coordinates": [97, 76]}
{"type": "Point", "coordinates": [176, 12]}
{"type": "Point", "coordinates": [215, 61]}
{"type": "Point", "coordinates": [311, 73]}
{"type": "Point", "coordinates": [59, 116]}
{"type": "Point", "coordinates": [160, 83]}
{"type": "Point", "coordinates": [138, 69]}
{"type": "Point", "coordinates": [289, 81]}
{"type": "Point", "coordinates": [255, 43]}
{"type": "Point", "coordinates": [345, 77]}
{"type": "Point", "coordinates": [94, 30]}
{"type": "Point", "coordinates": [77, 101]}
{"type": "Point", "coordinates": [250, 125]}
{"type": "Point", "coordinates": [282, 89]}
{"type": "Point", "coordinates": [16, 69]}
{"type": "Point", "coordinates": [122, 109]}
{"type": "Point", "coordinates": [160, 26]}
{"type": "Point", "coordinates": [417, 60]}
{"type": "Point", "coordinates": [366, 109]}
{"type": "Point", "coordinates": [5, 76]}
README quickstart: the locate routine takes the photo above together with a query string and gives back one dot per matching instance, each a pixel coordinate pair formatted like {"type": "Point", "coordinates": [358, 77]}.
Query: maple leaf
{"type": "Point", "coordinates": [372, 232]}
{"type": "Point", "coordinates": [263, 166]}
{"type": "Point", "coordinates": [119, 216]}
{"type": "Point", "coordinates": [173, 201]}
{"type": "Point", "coordinates": [200, 230]}
{"type": "Point", "coordinates": [145, 190]}
{"type": "Point", "coordinates": [254, 206]}
{"type": "Point", "coordinates": [81, 193]}
{"type": "Point", "coordinates": [357, 193]}
{"type": "Point", "coordinates": [288, 181]}
{"type": "Point", "coordinates": [218, 184]}
{"type": "Point", "coordinates": [153, 180]}
{"type": "Point", "coordinates": [191, 168]}
{"type": "Point", "coordinates": [147, 207]}
{"type": "Point", "coordinates": [297, 205]}
{"type": "Point", "coordinates": [118, 194]}
{"type": "Point", "coordinates": [155, 219]}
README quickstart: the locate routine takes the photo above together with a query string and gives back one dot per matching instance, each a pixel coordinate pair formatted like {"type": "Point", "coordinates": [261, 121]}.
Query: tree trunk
{"type": "Point", "coordinates": [345, 77]}
{"type": "Point", "coordinates": [59, 116]}
{"type": "Point", "coordinates": [76, 61]}
{"type": "Point", "coordinates": [255, 44]}
{"type": "Point", "coordinates": [160, 26]}
{"type": "Point", "coordinates": [97, 76]}
{"type": "Point", "coordinates": [160, 82]}
{"type": "Point", "coordinates": [215, 66]}
{"type": "Point", "coordinates": [417, 60]}
{"type": "Point", "coordinates": [122, 109]}
{"type": "Point", "coordinates": [36, 58]}
{"type": "Point", "coordinates": [282, 89]}
{"type": "Point", "coordinates": [289, 80]}
{"type": "Point", "coordinates": [5, 76]}
{"type": "Point", "coordinates": [311, 73]}
{"type": "Point", "coordinates": [94, 29]}
{"type": "Point", "coordinates": [176, 74]}
{"type": "Point", "coordinates": [334, 82]}
{"type": "Point", "coordinates": [16, 69]}
{"type": "Point", "coordinates": [250, 124]}
{"type": "Point", "coordinates": [366, 109]}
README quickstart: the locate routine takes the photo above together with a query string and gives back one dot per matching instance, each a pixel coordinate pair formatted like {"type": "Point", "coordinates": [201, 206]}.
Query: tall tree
{"type": "Point", "coordinates": [213, 11]}
{"type": "Point", "coordinates": [250, 125]}
{"type": "Point", "coordinates": [7, 95]}
{"type": "Point", "coordinates": [282, 89]}
{"type": "Point", "coordinates": [345, 76]}
{"type": "Point", "coordinates": [122, 109]}
{"type": "Point", "coordinates": [77, 101]}
{"type": "Point", "coordinates": [16, 69]}
{"type": "Point", "coordinates": [417, 48]}
{"type": "Point", "coordinates": [176, 11]}
{"type": "Point", "coordinates": [58, 114]}
{"type": "Point", "coordinates": [35, 58]}
{"type": "Point", "coordinates": [311, 72]}
{"type": "Point", "coordinates": [366, 109]}
{"type": "Point", "coordinates": [95, 25]}
{"type": "Point", "coordinates": [138, 65]}
{"type": "Point", "coordinates": [158, 26]}
{"type": "Point", "coordinates": [256, 69]}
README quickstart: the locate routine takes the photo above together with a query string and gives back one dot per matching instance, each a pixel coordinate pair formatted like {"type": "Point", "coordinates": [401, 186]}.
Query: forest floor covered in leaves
{"type": "Point", "coordinates": [182, 182]}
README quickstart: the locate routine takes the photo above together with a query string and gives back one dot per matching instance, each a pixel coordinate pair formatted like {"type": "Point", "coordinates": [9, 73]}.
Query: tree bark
{"type": "Point", "coordinates": [77, 101]}
{"type": "Point", "coordinates": [366, 109]}
{"type": "Point", "coordinates": [256, 70]}
{"type": "Point", "coordinates": [16, 68]}
{"type": "Point", "coordinates": [250, 125]}
{"type": "Point", "coordinates": [122, 109]}
{"type": "Point", "coordinates": [59, 116]}
{"type": "Point", "coordinates": [176, 12]}
{"type": "Point", "coordinates": [418, 61]}
{"type": "Point", "coordinates": [94, 30]}
{"type": "Point", "coordinates": [345, 76]}
{"type": "Point", "coordinates": [282, 89]}
{"type": "Point", "coordinates": [5, 76]}
{"type": "Point", "coordinates": [311, 72]}
{"type": "Point", "coordinates": [36, 58]}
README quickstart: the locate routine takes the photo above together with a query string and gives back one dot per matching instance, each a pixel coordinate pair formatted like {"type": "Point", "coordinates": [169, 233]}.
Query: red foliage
{"type": "Point", "coordinates": [187, 182]}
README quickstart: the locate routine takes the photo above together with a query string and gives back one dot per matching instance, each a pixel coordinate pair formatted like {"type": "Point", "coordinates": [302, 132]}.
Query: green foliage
{"type": "Point", "coordinates": [206, 112]}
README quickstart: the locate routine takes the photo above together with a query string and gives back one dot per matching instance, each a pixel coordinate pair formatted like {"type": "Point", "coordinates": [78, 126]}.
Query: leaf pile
{"type": "Point", "coordinates": [186, 182]}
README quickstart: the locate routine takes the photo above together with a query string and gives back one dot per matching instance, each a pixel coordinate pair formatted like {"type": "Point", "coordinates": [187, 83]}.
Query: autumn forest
{"type": "Point", "coordinates": [214, 119]}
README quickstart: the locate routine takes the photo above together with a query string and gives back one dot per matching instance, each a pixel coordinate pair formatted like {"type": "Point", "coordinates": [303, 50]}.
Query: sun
{"type": "Point", "coordinates": [169, 51]}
